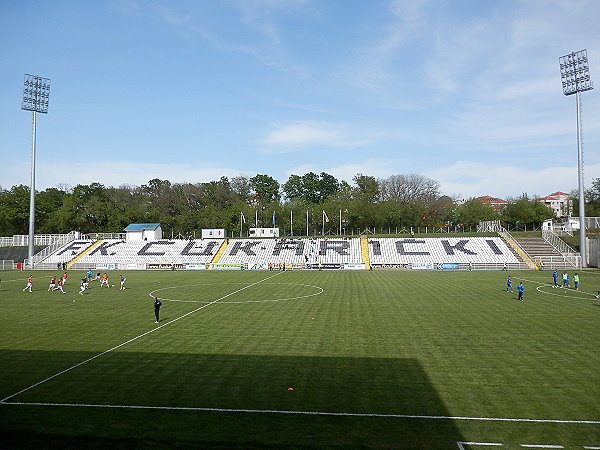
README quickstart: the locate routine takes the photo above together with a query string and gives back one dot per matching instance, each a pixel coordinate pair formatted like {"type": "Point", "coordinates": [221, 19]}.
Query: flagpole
{"type": "Point", "coordinates": [241, 216]}
{"type": "Point", "coordinates": [307, 223]}
{"type": "Point", "coordinates": [256, 219]}
{"type": "Point", "coordinates": [323, 228]}
{"type": "Point", "coordinates": [292, 222]}
{"type": "Point", "coordinates": [340, 222]}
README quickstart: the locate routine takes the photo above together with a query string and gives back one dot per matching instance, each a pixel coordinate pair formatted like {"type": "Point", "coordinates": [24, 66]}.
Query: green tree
{"type": "Point", "coordinates": [310, 187]}
{"type": "Point", "coordinates": [14, 210]}
{"type": "Point", "coordinates": [526, 210]}
{"type": "Point", "coordinates": [266, 188]}
{"type": "Point", "coordinates": [367, 188]}
{"type": "Point", "coordinates": [46, 204]}
{"type": "Point", "coordinates": [293, 188]}
{"type": "Point", "coordinates": [592, 196]}
{"type": "Point", "coordinates": [474, 211]}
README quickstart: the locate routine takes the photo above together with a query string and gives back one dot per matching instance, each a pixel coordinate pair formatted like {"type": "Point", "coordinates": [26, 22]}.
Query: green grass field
{"type": "Point", "coordinates": [382, 359]}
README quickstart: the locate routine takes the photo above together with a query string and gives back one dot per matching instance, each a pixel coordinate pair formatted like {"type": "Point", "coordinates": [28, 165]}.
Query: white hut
{"type": "Point", "coordinates": [143, 232]}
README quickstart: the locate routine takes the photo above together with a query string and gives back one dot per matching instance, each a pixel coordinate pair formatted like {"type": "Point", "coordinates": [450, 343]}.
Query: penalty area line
{"type": "Point", "coordinates": [306, 413]}
{"type": "Point", "coordinates": [131, 340]}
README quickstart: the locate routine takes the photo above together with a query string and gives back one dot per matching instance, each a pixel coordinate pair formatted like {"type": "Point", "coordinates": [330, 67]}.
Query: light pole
{"type": "Point", "coordinates": [36, 94]}
{"type": "Point", "coordinates": [575, 76]}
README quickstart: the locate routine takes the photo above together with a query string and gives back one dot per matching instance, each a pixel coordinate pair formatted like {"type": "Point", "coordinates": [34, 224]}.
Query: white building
{"type": "Point", "coordinates": [264, 232]}
{"type": "Point", "coordinates": [143, 232]}
{"type": "Point", "coordinates": [559, 202]}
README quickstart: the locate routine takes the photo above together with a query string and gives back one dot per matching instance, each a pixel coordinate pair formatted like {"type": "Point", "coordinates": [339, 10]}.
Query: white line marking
{"type": "Point", "coordinates": [495, 444]}
{"type": "Point", "coordinates": [132, 339]}
{"type": "Point", "coordinates": [540, 446]}
{"type": "Point", "coordinates": [306, 413]}
{"type": "Point", "coordinates": [557, 294]}
{"type": "Point", "coordinates": [573, 297]}
{"type": "Point", "coordinates": [320, 291]}
{"type": "Point", "coordinates": [591, 448]}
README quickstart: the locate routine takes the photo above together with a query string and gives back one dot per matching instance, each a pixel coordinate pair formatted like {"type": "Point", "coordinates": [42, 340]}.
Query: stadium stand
{"type": "Point", "coordinates": [67, 252]}
{"type": "Point", "coordinates": [178, 251]}
{"type": "Point", "coordinates": [262, 252]}
{"type": "Point", "coordinates": [470, 250]}
{"type": "Point", "coordinates": [466, 252]}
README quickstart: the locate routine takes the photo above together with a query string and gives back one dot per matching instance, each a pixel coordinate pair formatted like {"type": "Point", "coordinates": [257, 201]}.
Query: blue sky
{"type": "Point", "coordinates": [465, 92]}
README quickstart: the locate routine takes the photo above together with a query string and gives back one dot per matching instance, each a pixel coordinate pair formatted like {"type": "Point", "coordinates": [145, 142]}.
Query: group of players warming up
{"type": "Point", "coordinates": [85, 281]}
{"type": "Point", "coordinates": [58, 283]}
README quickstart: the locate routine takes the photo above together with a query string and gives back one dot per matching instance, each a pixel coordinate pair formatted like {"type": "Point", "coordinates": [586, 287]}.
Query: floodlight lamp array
{"type": "Point", "coordinates": [575, 72]}
{"type": "Point", "coordinates": [36, 94]}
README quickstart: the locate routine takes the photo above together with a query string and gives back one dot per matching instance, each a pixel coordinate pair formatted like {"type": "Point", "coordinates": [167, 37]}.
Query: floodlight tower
{"type": "Point", "coordinates": [575, 76]}
{"type": "Point", "coordinates": [36, 94]}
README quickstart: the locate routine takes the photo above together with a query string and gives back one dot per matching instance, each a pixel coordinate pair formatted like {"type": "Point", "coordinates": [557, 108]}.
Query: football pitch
{"type": "Point", "coordinates": [319, 359]}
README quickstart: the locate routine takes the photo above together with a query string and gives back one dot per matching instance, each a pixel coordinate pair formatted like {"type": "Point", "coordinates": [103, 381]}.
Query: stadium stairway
{"type": "Point", "coordinates": [543, 252]}
{"type": "Point", "coordinates": [83, 253]}
{"type": "Point", "coordinates": [516, 247]}
{"type": "Point", "coordinates": [220, 252]}
{"type": "Point", "coordinates": [364, 250]}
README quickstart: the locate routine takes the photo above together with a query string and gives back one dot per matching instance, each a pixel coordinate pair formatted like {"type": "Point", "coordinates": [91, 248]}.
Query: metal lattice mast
{"type": "Point", "coordinates": [575, 76]}
{"type": "Point", "coordinates": [36, 95]}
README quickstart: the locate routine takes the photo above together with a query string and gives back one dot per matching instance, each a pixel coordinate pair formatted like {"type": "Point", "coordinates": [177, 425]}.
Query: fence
{"type": "Point", "coordinates": [561, 246]}
{"type": "Point", "coordinates": [22, 240]}
{"type": "Point", "coordinates": [569, 255]}
{"type": "Point", "coordinates": [59, 242]}
{"type": "Point", "coordinates": [7, 264]}
{"type": "Point", "coordinates": [594, 252]}
{"type": "Point", "coordinates": [100, 236]}
{"type": "Point", "coordinates": [558, 262]}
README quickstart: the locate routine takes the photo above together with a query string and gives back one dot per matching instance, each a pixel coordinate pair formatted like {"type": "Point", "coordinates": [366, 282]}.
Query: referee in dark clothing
{"type": "Point", "coordinates": [157, 305]}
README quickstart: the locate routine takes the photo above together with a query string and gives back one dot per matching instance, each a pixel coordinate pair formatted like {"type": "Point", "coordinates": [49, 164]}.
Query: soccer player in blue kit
{"type": "Point", "coordinates": [555, 278]}
{"type": "Point", "coordinates": [509, 284]}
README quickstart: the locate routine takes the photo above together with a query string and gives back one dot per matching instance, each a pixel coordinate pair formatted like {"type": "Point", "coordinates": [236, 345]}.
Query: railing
{"type": "Point", "coordinates": [526, 257]}
{"type": "Point", "coordinates": [562, 247]}
{"type": "Point", "coordinates": [559, 245]}
{"type": "Point", "coordinates": [558, 262]}
{"type": "Point", "coordinates": [22, 240]}
{"type": "Point", "coordinates": [66, 238]}
{"type": "Point", "coordinates": [495, 266]}
{"type": "Point", "coordinates": [100, 236]}
{"type": "Point", "coordinates": [7, 264]}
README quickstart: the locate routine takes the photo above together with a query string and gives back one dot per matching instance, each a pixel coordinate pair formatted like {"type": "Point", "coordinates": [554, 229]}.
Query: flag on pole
{"type": "Point", "coordinates": [325, 218]}
{"type": "Point", "coordinates": [242, 217]}
{"type": "Point", "coordinates": [307, 223]}
{"type": "Point", "coordinates": [273, 218]}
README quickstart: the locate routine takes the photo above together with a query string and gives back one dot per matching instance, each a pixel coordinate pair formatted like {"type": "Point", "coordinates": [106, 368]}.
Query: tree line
{"type": "Point", "coordinates": [396, 202]}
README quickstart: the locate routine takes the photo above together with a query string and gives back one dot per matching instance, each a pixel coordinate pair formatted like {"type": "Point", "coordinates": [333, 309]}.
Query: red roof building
{"type": "Point", "coordinates": [559, 202]}
{"type": "Point", "coordinates": [494, 202]}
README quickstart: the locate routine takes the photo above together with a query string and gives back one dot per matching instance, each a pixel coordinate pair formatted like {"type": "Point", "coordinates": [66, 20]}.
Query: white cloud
{"type": "Point", "coordinates": [292, 136]}
{"type": "Point", "coordinates": [171, 17]}
{"type": "Point", "coordinates": [471, 179]}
